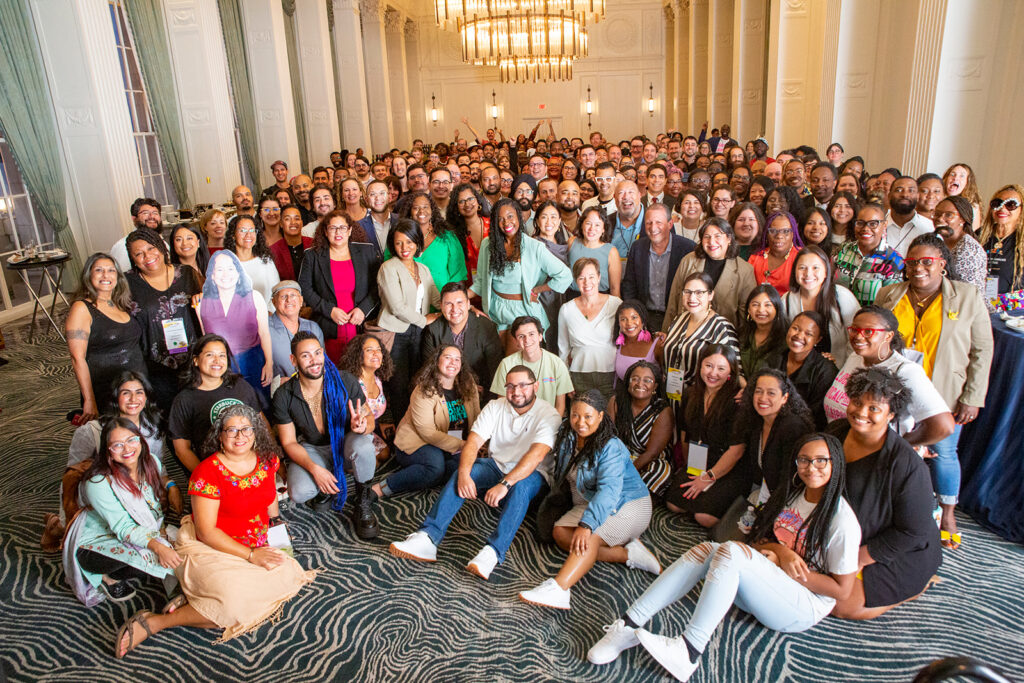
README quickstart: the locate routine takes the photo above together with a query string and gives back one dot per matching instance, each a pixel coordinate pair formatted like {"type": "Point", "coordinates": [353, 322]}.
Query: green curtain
{"type": "Point", "coordinates": [26, 114]}
{"type": "Point", "coordinates": [150, 42]}
{"type": "Point", "coordinates": [241, 91]}
{"type": "Point", "coordinates": [296, 78]}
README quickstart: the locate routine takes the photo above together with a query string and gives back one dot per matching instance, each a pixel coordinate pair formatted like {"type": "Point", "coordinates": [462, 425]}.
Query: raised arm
{"type": "Point", "coordinates": [472, 130]}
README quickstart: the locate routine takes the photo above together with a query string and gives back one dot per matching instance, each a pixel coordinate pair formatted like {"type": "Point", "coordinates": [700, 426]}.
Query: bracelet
{"type": "Point", "coordinates": [249, 559]}
{"type": "Point", "coordinates": [710, 476]}
{"type": "Point", "coordinates": [170, 484]}
{"type": "Point", "coordinates": [711, 473]}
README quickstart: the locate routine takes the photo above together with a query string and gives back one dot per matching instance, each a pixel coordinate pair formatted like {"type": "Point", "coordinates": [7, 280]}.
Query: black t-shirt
{"type": "Point", "coordinates": [714, 269]}
{"type": "Point", "coordinates": [194, 410]}
{"type": "Point", "coordinates": [457, 417]}
{"type": "Point", "coordinates": [291, 407]}
{"type": "Point", "coordinates": [1001, 262]}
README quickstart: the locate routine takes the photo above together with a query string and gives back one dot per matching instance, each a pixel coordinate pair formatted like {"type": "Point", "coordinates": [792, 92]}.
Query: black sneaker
{"type": "Point", "coordinates": [322, 502]}
{"type": "Point", "coordinates": [118, 592]}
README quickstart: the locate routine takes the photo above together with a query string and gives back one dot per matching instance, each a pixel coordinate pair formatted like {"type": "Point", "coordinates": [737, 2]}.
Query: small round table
{"type": "Point", "coordinates": [43, 264]}
{"type": "Point", "coordinates": [991, 447]}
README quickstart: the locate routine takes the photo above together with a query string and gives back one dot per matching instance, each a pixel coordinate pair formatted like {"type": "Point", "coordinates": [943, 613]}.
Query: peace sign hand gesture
{"type": "Point", "coordinates": [359, 423]}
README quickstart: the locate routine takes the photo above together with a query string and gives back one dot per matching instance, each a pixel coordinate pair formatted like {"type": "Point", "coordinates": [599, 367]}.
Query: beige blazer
{"type": "Point", "coordinates": [731, 292]}
{"type": "Point", "coordinates": [963, 355]}
{"type": "Point", "coordinates": [398, 296]}
{"type": "Point", "coordinates": [426, 422]}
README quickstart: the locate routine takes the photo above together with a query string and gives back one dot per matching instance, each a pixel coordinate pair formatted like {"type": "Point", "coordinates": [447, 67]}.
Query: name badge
{"type": "Point", "coordinates": [456, 433]}
{"type": "Point", "coordinates": [991, 288]}
{"type": "Point", "coordinates": [697, 459]}
{"type": "Point", "coordinates": [174, 335]}
{"type": "Point", "coordinates": [674, 384]}
{"type": "Point", "coordinates": [914, 356]}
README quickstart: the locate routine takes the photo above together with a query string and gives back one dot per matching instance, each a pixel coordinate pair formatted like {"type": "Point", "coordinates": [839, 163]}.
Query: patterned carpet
{"type": "Point", "coordinates": [370, 617]}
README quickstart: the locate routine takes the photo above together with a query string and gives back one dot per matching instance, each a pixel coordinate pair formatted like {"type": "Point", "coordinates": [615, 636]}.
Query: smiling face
{"type": "Point", "coordinates": [245, 233]}
{"type": "Point", "coordinates": [756, 193]}
{"type": "Point", "coordinates": [548, 221]}
{"type": "Point", "coordinates": [715, 371]}
{"type": "Point", "coordinates": [455, 307]}
{"type": "Point", "coordinates": [291, 221]}
{"type": "Point", "coordinates": [308, 359]}
{"type": "Point", "coordinates": [216, 227]}
{"type": "Point", "coordinates": [520, 390]}
{"type": "Point", "coordinates": [131, 399]}
{"type": "Point", "coordinates": [714, 242]}
{"type": "Point", "coordinates": [696, 298]}
{"type": "Point", "coordinates": [811, 454]}
{"type": "Point", "coordinates": [404, 247]}
{"type": "Point", "coordinates": [811, 274]}
{"type": "Point", "coordinates": [103, 275]}
{"type": "Point", "coordinates": [1005, 215]}
{"type": "Point", "coordinates": [869, 415]}
{"type": "Point", "coordinates": [924, 266]}
{"type": "Point", "coordinates": [212, 360]}
{"type": "Point", "coordinates": [508, 220]}
{"type": "Point", "coordinates": [803, 334]}
{"type": "Point", "coordinates": [378, 197]}
{"type": "Point", "coordinates": [769, 396]}
{"type": "Point", "coordinates": [124, 447]}
{"type": "Point", "coordinates": [870, 336]}
{"type": "Point", "coordinates": [237, 436]}
{"type": "Point", "coordinates": [630, 323]}
{"type": "Point", "coordinates": [592, 228]}
{"type": "Point", "coordinates": [146, 257]}
{"type": "Point", "coordinates": [642, 384]}
{"type": "Point", "coordinates": [761, 310]}
{"type": "Point", "coordinates": [528, 339]}
{"type": "Point", "coordinates": [584, 419]}
{"type": "Point", "coordinates": [690, 208]}
{"type": "Point", "coordinates": [842, 211]}
{"type": "Point", "coordinates": [745, 227]}
{"type": "Point", "coordinates": [449, 363]}
{"type": "Point", "coordinates": [776, 203]}
{"type": "Point", "coordinates": [589, 280]}
{"type": "Point", "coordinates": [185, 243]}
{"type": "Point", "coordinates": [869, 228]}
{"type": "Point", "coordinates": [270, 213]}
{"type": "Point", "coordinates": [929, 194]}
{"type": "Point", "coordinates": [351, 194]}
{"type": "Point", "coordinates": [815, 228]}
{"type": "Point", "coordinates": [722, 202]}
{"type": "Point", "coordinates": [225, 275]}
{"type": "Point", "coordinates": [949, 224]}
{"type": "Point", "coordinates": [956, 180]}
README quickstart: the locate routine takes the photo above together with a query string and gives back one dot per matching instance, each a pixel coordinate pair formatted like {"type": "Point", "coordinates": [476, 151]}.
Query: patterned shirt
{"type": "Point", "coordinates": [866, 275]}
{"type": "Point", "coordinates": [244, 501]}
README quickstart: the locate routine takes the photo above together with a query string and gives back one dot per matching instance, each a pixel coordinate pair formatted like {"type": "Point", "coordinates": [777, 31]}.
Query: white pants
{"type": "Point", "coordinates": [737, 574]}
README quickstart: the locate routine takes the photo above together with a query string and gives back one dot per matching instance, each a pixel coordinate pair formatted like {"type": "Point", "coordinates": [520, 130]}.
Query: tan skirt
{"type": "Point", "coordinates": [231, 592]}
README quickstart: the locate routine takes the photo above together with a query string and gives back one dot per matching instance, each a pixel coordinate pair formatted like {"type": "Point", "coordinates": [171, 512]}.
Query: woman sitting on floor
{"type": "Point", "coordinates": [645, 423]}
{"type": "Point", "coordinates": [800, 559]}
{"type": "Point", "coordinates": [890, 489]}
{"type": "Point", "coordinates": [231, 577]}
{"type": "Point", "coordinates": [430, 437]}
{"type": "Point", "coordinates": [120, 534]}
{"type": "Point", "coordinates": [367, 359]}
{"type": "Point", "coordinates": [610, 503]}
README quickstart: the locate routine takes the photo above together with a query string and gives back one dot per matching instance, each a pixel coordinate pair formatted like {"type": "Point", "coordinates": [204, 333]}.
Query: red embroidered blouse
{"type": "Point", "coordinates": [243, 500]}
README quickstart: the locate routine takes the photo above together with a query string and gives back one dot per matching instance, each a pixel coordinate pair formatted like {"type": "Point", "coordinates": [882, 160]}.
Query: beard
{"type": "Point", "coordinates": [311, 375]}
{"type": "Point", "coordinates": [572, 206]}
{"type": "Point", "coordinates": [904, 205]}
{"type": "Point", "coordinates": [525, 204]}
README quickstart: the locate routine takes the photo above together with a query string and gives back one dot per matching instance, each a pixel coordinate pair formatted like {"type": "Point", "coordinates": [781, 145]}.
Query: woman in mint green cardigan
{"type": "Point", "coordinates": [510, 280]}
{"type": "Point", "coordinates": [119, 535]}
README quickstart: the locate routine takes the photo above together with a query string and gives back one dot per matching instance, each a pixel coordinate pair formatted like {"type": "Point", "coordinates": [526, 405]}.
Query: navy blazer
{"type": "Point", "coordinates": [318, 286]}
{"type": "Point", "coordinates": [637, 278]}
{"type": "Point", "coordinates": [371, 234]}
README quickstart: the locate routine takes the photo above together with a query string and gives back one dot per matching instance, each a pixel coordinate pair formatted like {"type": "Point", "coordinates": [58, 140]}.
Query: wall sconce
{"type": "Point", "coordinates": [650, 101]}
{"type": "Point", "coordinates": [589, 107]}
{"type": "Point", "coordinates": [494, 108]}
{"type": "Point", "coordinates": [433, 109]}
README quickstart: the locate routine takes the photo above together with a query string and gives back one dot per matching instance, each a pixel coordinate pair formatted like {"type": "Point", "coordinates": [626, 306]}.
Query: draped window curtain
{"type": "Point", "coordinates": [27, 116]}
{"type": "Point", "coordinates": [296, 78]}
{"type": "Point", "coordinates": [241, 90]}
{"type": "Point", "coordinates": [150, 42]}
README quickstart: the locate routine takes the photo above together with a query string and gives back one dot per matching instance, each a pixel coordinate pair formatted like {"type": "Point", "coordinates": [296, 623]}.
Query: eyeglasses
{"type": "Point", "coordinates": [441, 182]}
{"type": "Point", "coordinates": [467, 201]}
{"type": "Point", "coordinates": [1010, 204]}
{"type": "Point", "coordinates": [235, 431]}
{"type": "Point", "coordinates": [270, 209]}
{"type": "Point", "coordinates": [779, 232]}
{"type": "Point", "coordinates": [694, 292]}
{"type": "Point", "coordinates": [927, 261]}
{"type": "Point", "coordinates": [871, 224]}
{"type": "Point", "coordinates": [817, 463]}
{"type": "Point", "coordinates": [866, 332]}
{"type": "Point", "coordinates": [506, 181]}
{"type": "Point", "coordinates": [117, 447]}
{"type": "Point", "coordinates": [647, 381]}
{"type": "Point", "coordinates": [522, 386]}
{"type": "Point", "coordinates": [247, 231]}
{"type": "Point", "coordinates": [721, 200]}
{"type": "Point", "coordinates": [337, 228]}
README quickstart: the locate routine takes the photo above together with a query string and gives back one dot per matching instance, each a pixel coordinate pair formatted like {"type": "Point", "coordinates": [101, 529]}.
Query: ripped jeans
{"type": "Point", "coordinates": [734, 573]}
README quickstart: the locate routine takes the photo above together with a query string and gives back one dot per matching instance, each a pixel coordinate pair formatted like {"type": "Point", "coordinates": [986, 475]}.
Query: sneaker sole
{"type": "Point", "coordinates": [541, 604]}
{"type": "Point", "coordinates": [408, 556]}
{"type": "Point", "coordinates": [473, 569]}
{"type": "Point", "coordinates": [666, 664]}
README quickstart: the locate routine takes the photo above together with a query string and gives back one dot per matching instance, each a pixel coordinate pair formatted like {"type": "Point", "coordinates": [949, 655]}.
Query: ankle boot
{"type": "Point", "coordinates": [365, 521]}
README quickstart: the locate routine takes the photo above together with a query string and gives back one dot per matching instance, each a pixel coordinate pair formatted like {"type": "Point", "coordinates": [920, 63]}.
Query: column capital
{"type": "Point", "coordinates": [373, 10]}
{"type": "Point", "coordinates": [412, 30]}
{"type": "Point", "coordinates": [670, 12]}
{"type": "Point", "coordinates": [394, 21]}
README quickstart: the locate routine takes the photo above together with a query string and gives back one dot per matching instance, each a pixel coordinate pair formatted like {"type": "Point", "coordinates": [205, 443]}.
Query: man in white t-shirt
{"type": "Point", "coordinates": [551, 372]}
{"type": "Point", "coordinates": [905, 223]}
{"type": "Point", "coordinates": [145, 214]}
{"type": "Point", "coordinates": [521, 429]}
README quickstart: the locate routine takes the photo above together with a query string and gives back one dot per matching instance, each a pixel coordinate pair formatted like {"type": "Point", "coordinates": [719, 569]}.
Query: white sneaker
{"type": "Point", "coordinates": [671, 653]}
{"type": "Point", "coordinates": [641, 558]}
{"type": "Point", "coordinates": [483, 564]}
{"type": "Point", "coordinates": [548, 594]}
{"type": "Point", "coordinates": [617, 639]}
{"type": "Point", "coordinates": [417, 546]}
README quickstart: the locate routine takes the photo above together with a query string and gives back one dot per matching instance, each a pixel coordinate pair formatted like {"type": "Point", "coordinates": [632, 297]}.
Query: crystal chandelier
{"type": "Point", "coordinates": [531, 69]}
{"type": "Point", "coordinates": [452, 14]}
{"type": "Point", "coordinates": [523, 36]}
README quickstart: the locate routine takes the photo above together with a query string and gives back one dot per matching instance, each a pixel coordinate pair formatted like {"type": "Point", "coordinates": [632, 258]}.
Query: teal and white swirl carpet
{"type": "Point", "coordinates": [371, 617]}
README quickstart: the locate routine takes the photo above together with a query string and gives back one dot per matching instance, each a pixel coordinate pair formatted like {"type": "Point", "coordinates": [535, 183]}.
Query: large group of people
{"type": "Point", "coordinates": [782, 349]}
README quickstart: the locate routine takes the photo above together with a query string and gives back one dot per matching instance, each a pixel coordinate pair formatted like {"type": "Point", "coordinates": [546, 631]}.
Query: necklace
{"type": "Point", "coordinates": [315, 401]}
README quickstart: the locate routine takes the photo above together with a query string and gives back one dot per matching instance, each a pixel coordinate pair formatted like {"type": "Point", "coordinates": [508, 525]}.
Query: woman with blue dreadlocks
{"type": "Point", "coordinates": [326, 427]}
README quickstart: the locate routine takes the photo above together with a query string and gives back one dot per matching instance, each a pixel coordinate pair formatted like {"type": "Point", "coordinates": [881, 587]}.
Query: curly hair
{"type": "Point", "coordinates": [794, 405]}
{"type": "Point", "coordinates": [882, 385]}
{"type": "Point", "coordinates": [260, 250]}
{"type": "Point", "coordinates": [498, 259]}
{"type": "Point", "coordinates": [150, 237]}
{"type": "Point", "coordinates": [454, 218]}
{"type": "Point", "coordinates": [988, 230]}
{"type": "Point", "coordinates": [351, 360]}
{"type": "Point", "coordinates": [428, 378]}
{"type": "Point", "coordinates": [794, 204]}
{"type": "Point", "coordinates": [320, 241]}
{"type": "Point", "coordinates": [264, 444]}
{"type": "Point", "coordinates": [403, 207]}
{"type": "Point", "coordinates": [929, 240]}
{"type": "Point", "coordinates": [623, 400]}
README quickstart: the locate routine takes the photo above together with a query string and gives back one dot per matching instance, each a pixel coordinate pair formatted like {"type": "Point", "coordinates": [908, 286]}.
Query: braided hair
{"type": "Point", "coordinates": [565, 442]}
{"type": "Point", "coordinates": [335, 402]}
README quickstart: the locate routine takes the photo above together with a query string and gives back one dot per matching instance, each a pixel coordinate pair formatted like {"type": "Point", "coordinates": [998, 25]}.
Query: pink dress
{"type": "Point", "coordinates": [343, 277]}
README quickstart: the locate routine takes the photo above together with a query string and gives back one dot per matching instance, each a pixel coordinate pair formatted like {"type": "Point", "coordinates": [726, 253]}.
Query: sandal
{"type": "Point", "coordinates": [951, 541]}
{"type": "Point", "coordinates": [119, 591]}
{"type": "Point", "coordinates": [179, 600]}
{"type": "Point", "coordinates": [137, 618]}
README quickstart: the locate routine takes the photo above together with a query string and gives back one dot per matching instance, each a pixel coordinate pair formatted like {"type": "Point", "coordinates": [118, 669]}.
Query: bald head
{"type": "Point", "coordinates": [627, 200]}
{"type": "Point", "coordinates": [241, 197]}
{"type": "Point", "coordinates": [301, 186]}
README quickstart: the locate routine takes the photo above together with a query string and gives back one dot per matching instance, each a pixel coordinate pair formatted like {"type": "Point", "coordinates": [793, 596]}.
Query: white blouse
{"type": "Point", "coordinates": [588, 343]}
{"type": "Point", "coordinates": [264, 276]}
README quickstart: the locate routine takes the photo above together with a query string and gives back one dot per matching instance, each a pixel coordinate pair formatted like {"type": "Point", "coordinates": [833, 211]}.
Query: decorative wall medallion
{"type": "Point", "coordinates": [78, 117]}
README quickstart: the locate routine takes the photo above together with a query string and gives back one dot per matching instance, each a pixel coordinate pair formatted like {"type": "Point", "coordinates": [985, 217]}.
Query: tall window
{"type": "Point", "coordinates": [21, 224]}
{"type": "Point", "coordinates": [156, 183]}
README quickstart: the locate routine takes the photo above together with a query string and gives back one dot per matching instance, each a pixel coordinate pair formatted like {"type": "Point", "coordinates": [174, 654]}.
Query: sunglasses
{"type": "Point", "coordinates": [1010, 204]}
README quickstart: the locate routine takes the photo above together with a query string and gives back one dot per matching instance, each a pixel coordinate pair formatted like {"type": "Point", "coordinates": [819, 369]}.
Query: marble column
{"type": "Point", "coordinates": [319, 104]}
{"type": "Point", "coordinates": [267, 49]}
{"type": "Point", "coordinates": [748, 64]}
{"type": "Point", "coordinates": [794, 79]}
{"type": "Point", "coordinates": [682, 71]}
{"type": "Point", "coordinates": [928, 42]}
{"type": "Point", "coordinates": [698, 101]}
{"type": "Point", "coordinates": [419, 105]}
{"type": "Point", "coordinates": [375, 60]}
{"type": "Point", "coordinates": [671, 102]}
{"type": "Point", "coordinates": [394, 25]}
{"type": "Point", "coordinates": [720, 28]}
{"type": "Point", "coordinates": [348, 45]}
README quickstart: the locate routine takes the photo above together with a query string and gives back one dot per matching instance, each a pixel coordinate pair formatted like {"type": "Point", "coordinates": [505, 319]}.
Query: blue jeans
{"type": "Point", "coordinates": [485, 474]}
{"type": "Point", "coordinates": [945, 468]}
{"type": "Point", "coordinates": [249, 364]}
{"type": "Point", "coordinates": [424, 468]}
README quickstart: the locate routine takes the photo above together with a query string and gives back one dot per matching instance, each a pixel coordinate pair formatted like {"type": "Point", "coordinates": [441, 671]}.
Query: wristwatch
{"type": "Point", "coordinates": [507, 485]}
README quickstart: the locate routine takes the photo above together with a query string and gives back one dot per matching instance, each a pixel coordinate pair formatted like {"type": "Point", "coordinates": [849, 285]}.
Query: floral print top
{"type": "Point", "coordinates": [243, 500]}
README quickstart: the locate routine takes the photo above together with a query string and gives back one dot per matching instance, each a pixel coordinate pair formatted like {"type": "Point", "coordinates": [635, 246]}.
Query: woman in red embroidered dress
{"type": "Point", "coordinates": [231, 578]}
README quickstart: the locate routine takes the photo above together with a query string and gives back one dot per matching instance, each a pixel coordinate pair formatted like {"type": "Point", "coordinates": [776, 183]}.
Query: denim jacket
{"type": "Point", "coordinates": [608, 484]}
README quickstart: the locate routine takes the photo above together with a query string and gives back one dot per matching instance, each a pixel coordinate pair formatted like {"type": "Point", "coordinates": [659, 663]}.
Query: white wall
{"type": "Point", "coordinates": [630, 45]}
